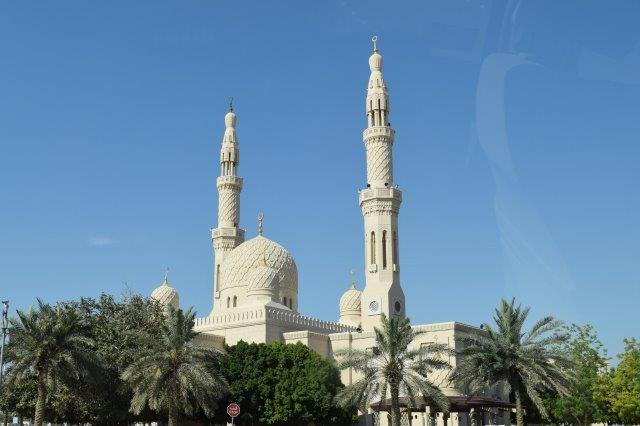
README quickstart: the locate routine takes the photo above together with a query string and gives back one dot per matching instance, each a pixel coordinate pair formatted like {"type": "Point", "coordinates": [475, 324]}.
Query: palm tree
{"type": "Point", "coordinates": [394, 368]}
{"type": "Point", "coordinates": [176, 376]}
{"type": "Point", "coordinates": [51, 345]}
{"type": "Point", "coordinates": [528, 362]}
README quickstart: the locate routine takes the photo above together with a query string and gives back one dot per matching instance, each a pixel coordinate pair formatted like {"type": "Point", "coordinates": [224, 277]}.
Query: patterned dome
{"type": "Point", "coordinates": [351, 300]}
{"type": "Point", "coordinates": [262, 280]}
{"type": "Point", "coordinates": [166, 295]}
{"type": "Point", "coordinates": [238, 269]}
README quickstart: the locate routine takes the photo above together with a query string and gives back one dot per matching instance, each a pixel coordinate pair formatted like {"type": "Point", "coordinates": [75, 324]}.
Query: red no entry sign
{"type": "Point", "coordinates": [233, 410]}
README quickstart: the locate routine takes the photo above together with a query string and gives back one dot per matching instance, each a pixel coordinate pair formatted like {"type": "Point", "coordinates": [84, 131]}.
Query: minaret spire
{"type": "Point", "coordinates": [228, 234]}
{"type": "Point", "coordinates": [380, 205]}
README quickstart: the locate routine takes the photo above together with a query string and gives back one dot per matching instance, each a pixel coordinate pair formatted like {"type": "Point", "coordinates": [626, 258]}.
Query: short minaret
{"type": "Point", "coordinates": [228, 234]}
{"type": "Point", "coordinates": [380, 205]}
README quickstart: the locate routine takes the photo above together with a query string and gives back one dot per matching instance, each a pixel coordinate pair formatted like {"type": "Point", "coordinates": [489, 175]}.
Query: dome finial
{"type": "Point", "coordinates": [166, 276]}
{"type": "Point", "coordinates": [260, 222]}
{"type": "Point", "coordinates": [353, 279]}
{"type": "Point", "coordinates": [230, 104]}
{"type": "Point", "coordinates": [374, 39]}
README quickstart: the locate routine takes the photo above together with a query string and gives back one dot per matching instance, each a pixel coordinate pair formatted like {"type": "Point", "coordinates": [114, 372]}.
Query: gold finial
{"type": "Point", "coordinates": [353, 280]}
{"type": "Point", "coordinates": [230, 104]}
{"type": "Point", "coordinates": [166, 276]}
{"type": "Point", "coordinates": [374, 39]}
{"type": "Point", "coordinates": [260, 221]}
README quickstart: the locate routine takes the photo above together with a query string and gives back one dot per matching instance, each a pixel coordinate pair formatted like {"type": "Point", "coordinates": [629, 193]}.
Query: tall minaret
{"type": "Point", "coordinates": [228, 234]}
{"type": "Point", "coordinates": [380, 204]}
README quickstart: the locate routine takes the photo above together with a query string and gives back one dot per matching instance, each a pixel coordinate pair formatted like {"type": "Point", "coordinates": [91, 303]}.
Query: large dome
{"type": "Point", "coordinates": [262, 280]}
{"type": "Point", "coordinates": [254, 253]}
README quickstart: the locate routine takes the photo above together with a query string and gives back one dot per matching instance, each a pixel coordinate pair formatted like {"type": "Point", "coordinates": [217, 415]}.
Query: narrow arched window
{"type": "Point", "coordinates": [235, 301]}
{"type": "Point", "coordinates": [218, 277]}
{"type": "Point", "coordinates": [395, 248]}
{"type": "Point", "coordinates": [384, 249]}
{"type": "Point", "coordinates": [284, 301]}
{"type": "Point", "coordinates": [228, 302]}
{"type": "Point", "coordinates": [372, 248]}
{"type": "Point", "coordinates": [290, 303]}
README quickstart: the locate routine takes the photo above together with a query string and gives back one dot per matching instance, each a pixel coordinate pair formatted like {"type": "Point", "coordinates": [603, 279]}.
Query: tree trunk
{"type": "Point", "coordinates": [395, 405]}
{"type": "Point", "coordinates": [42, 397]}
{"type": "Point", "coordinates": [519, 409]}
{"type": "Point", "coordinates": [173, 417]}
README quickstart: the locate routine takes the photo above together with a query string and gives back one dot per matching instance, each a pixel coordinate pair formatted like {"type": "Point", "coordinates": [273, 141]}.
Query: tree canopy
{"type": "Point", "coordinates": [283, 384]}
{"type": "Point", "coordinates": [621, 388]}
{"type": "Point", "coordinates": [119, 330]}
{"type": "Point", "coordinates": [529, 362]}
{"type": "Point", "coordinates": [394, 369]}
{"type": "Point", "coordinates": [581, 405]}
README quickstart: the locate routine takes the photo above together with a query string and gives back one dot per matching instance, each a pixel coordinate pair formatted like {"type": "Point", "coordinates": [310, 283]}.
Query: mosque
{"type": "Point", "coordinates": [255, 285]}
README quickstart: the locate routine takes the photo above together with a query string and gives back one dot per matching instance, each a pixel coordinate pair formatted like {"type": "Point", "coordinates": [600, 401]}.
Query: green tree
{"type": "Point", "coordinates": [581, 405]}
{"type": "Point", "coordinates": [528, 362]}
{"type": "Point", "coordinates": [283, 384]}
{"type": "Point", "coordinates": [623, 386]}
{"type": "Point", "coordinates": [120, 330]}
{"type": "Point", "coordinates": [392, 368]}
{"type": "Point", "coordinates": [51, 346]}
{"type": "Point", "coordinates": [176, 376]}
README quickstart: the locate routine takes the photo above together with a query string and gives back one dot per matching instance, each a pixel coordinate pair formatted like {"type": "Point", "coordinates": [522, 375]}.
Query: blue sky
{"type": "Point", "coordinates": [517, 148]}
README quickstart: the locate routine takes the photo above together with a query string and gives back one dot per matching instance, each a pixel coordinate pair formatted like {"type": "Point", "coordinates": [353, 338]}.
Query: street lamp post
{"type": "Point", "coordinates": [5, 328]}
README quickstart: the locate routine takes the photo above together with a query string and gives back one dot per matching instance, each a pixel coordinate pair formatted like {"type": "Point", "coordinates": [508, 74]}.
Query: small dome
{"type": "Point", "coordinates": [351, 300]}
{"type": "Point", "coordinates": [230, 119]}
{"type": "Point", "coordinates": [254, 253]}
{"type": "Point", "coordinates": [375, 62]}
{"type": "Point", "coordinates": [166, 295]}
{"type": "Point", "coordinates": [262, 280]}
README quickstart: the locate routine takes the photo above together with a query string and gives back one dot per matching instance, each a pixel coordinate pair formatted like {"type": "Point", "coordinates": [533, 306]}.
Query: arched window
{"type": "Point", "coordinates": [384, 249]}
{"type": "Point", "coordinates": [290, 303]}
{"type": "Point", "coordinates": [228, 302]}
{"type": "Point", "coordinates": [372, 244]}
{"type": "Point", "coordinates": [284, 301]}
{"type": "Point", "coordinates": [218, 277]}
{"type": "Point", "coordinates": [395, 248]}
{"type": "Point", "coordinates": [235, 301]}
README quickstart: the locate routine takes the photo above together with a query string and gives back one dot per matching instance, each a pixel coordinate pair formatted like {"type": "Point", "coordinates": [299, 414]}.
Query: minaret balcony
{"type": "Point", "coordinates": [229, 181]}
{"type": "Point", "coordinates": [378, 131]}
{"type": "Point", "coordinates": [227, 233]}
{"type": "Point", "coordinates": [380, 201]}
{"type": "Point", "coordinates": [380, 193]}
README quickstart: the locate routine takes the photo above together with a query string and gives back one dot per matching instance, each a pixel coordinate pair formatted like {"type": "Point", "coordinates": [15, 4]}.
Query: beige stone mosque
{"type": "Point", "coordinates": [255, 284]}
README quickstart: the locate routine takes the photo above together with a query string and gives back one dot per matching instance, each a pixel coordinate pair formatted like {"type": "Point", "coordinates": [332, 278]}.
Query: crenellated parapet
{"type": "Point", "coordinates": [267, 314]}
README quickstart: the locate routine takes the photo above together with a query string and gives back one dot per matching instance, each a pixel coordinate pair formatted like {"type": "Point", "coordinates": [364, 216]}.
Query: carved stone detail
{"type": "Point", "coordinates": [229, 207]}
{"type": "Point", "coordinates": [380, 207]}
{"type": "Point", "coordinates": [379, 160]}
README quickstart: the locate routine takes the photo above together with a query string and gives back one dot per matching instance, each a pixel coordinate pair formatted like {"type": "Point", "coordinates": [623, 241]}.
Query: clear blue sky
{"type": "Point", "coordinates": [517, 148]}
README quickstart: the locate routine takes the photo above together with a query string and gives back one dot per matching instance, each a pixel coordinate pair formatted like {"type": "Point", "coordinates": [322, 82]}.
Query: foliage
{"type": "Point", "coordinates": [391, 368]}
{"type": "Point", "coordinates": [528, 362]}
{"type": "Point", "coordinates": [119, 330]}
{"type": "Point", "coordinates": [622, 387]}
{"type": "Point", "coordinates": [581, 405]}
{"type": "Point", "coordinates": [51, 346]}
{"type": "Point", "coordinates": [283, 384]}
{"type": "Point", "coordinates": [176, 376]}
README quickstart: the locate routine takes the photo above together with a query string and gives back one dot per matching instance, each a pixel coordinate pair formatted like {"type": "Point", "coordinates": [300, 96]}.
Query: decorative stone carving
{"type": "Point", "coordinates": [250, 254]}
{"type": "Point", "coordinates": [379, 161]}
